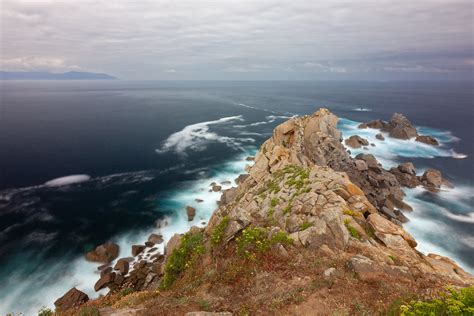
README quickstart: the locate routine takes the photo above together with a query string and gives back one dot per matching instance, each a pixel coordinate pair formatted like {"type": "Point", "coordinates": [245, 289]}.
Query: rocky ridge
{"type": "Point", "coordinates": [304, 198]}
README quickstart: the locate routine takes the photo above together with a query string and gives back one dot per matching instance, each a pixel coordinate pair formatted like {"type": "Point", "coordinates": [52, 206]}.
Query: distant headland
{"type": "Point", "coordinates": [71, 75]}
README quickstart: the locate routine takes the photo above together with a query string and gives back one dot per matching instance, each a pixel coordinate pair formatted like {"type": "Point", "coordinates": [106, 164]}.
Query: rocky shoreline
{"type": "Point", "coordinates": [304, 194]}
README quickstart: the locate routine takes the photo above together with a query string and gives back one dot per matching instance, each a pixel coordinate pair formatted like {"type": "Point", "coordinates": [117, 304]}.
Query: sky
{"type": "Point", "coordinates": [241, 40]}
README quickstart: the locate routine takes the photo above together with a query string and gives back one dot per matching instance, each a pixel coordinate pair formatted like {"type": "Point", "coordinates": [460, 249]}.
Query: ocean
{"type": "Point", "coordinates": [144, 150]}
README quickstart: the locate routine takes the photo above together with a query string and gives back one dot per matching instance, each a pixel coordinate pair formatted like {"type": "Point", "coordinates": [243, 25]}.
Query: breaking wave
{"type": "Point", "coordinates": [196, 136]}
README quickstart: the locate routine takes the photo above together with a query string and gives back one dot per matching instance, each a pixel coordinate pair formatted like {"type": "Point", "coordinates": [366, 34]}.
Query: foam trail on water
{"type": "Point", "coordinates": [52, 280]}
{"type": "Point", "coordinates": [77, 178]}
{"type": "Point", "coordinates": [270, 119]}
{"type": "Point", "coordinates": [429, 222]}
{"type": "Point", "coordinates": [362, 109]}
{"type": "Point", "coordinates": [196, 136]}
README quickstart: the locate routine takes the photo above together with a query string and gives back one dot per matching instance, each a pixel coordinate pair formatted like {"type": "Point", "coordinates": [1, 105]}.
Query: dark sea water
{"type": "Point", "coordinates": [151, 148]}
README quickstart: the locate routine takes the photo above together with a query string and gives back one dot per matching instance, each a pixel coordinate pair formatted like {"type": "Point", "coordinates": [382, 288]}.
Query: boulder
{"type": "Point", "coordinates": [355, 141]}
{"type": "Point", "coordinates": [199, 200]}
{"type": "Point", "coordinates": [250, 158]}
{"type": "Point", "coordinates": [216, 188]}
{"type": "Point", "coordinates": [228, 196]}
{"type": "Point", "coordinates": [137, 249]}
{"type": "Point", "coordinates": [383, 228]}
{"type": "Point", "coordinates": [104, 281]}
{"type": "Point", "coordinates": [379, 136]}
{"type": "Point", "coordinates": [408, 168]}
{"type": "Point", "coordinates": [376, 124]}
{"type": "Point", "coordinates": [432, 178]}
{"type": "Point", "coordinates": [122, 265]}
{"type": "Point", "coordinates": [104, 253]}
{"type": "Point", "coordinates": [155, 239]}
{"type": "Point", "coordinates": [430, 140]}
{"type": "Point", "coordinates": [364, 268]}
{"type": "Point", "coordinates": [72, 298]}
{"type": "Point", "coordinates": [105, 271]}
{"type": "Point", "coordinates": [361, 165]}
{"type": "Point", "coordinates": [241, 178]}
{"type": "Point", "coordinates": [191, 211]}
{"type": "Point", "coordinates": [400, 127]}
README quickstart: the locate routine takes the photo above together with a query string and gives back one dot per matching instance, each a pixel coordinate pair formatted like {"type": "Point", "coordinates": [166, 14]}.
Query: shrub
{"type": "Point", "coordinates": [181, 258]}
{"type": "Point", "coordinates": [354, 233]}
{"type": "Point", "coordinates": [218, 232]}
{"type": "Point", "coordinates": [44, 311]}
{"type": "Point", "coordinates": [256, 239]}
{"type": "Point", "coordinates": [452, 302]}
{"type": "Point", "coordinates": [126, 291]}
{"type": "Point", "coordinates": [274, 202]}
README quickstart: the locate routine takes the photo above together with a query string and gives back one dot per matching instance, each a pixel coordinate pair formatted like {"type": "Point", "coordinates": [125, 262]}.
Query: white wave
{"type": "Point", "coordinates": [362, 109]}
{"type": "Point", "coordinates": [77, 178]}
{"type": "Point", "coordinates": [196, 136]}
{"type": "Point", "coordinates": [456, 155]}
{"type": "Point", "coordinates": [270, 119]}
{"type": "Point", "coordinates": [388, 150]}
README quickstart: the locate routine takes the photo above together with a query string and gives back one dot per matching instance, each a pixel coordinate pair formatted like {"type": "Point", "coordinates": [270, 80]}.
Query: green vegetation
{"type": "Point", "coordinates": [452, 302]}
{"type": "Point", "coordinates": [126, 291]}
{"type": "Point", "coordinates": [305, 225]}
{"type": "Point", "coordinates": [351, 213]}
{"type": "Point", "coordinates": [182, 257]}
{"type": "Point", "coordinates": [204, 305]}
{"type": "Point", "coordinates": [256, 239]}
{"type": "Point", "coordinates": [89, 311]}
{"type": "Point", "coordinates": [274, 202]}
{"type": "Point", "coordinates": [44, 311]}
{"type": "Point", "coordinates": [218, 232]}
{"type": "Point", "coordinates": [354, 233]}
{"type": "Point", "coordinates": [392, 257]}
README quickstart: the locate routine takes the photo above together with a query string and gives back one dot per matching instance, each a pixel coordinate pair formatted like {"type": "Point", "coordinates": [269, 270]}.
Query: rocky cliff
{"type": "Point", "coordinates": [309, 231]}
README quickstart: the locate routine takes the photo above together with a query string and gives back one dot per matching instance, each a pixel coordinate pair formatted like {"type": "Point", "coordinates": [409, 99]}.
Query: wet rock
{"type": "Point", "coordinates": [216, 188]}
{"type": "Point", "coordinates": [376, 124]}
{"type": "Point", "coordinates": [104, 253]}
{"type": "Point", "coordinates": [250, 158]}
{"type": "Point", "coordinates": [191, 212]}
{"type": "Point", "coordinates": [432, 179]}
{"type": "Point", "coordinates": [400, 127]}
{"type": "Point", "coordinates": [122, 265]}
{"type": "Point", "coordinates": [199, 200]}
{"type": "Point", "coordinates": [361, 165]}
{"type": "Point", "coordinates": [430, 140]}
{"type": "Point", "coordinates": [105, 271]}
{"type": "Point", "coordinates": [155, 239]}
{"type": "Point", "coordinates": [72, 298]}
{"type": "Point", "coordinates": [408, 168]}
{"type": "Point", "coordinates": [241, 178]}
{"type": "Point", "coordinates": [137, 249]}
{"type": "Point", "coordinates": [355, 141]}
{"type": "Point", "coordinates": [379, 136]}
{"type": "Point", "coordinates": [104, 281]}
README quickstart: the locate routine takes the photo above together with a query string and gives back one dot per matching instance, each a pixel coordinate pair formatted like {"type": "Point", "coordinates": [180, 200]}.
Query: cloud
{"type": "Point", "coordinates": [30, 63]}
{"type": "Point", "coordinates": [241, 39]}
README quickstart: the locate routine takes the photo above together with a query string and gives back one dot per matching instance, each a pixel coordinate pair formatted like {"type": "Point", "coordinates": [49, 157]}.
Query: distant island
{"type": "Point", "coordinates": [71, 75]}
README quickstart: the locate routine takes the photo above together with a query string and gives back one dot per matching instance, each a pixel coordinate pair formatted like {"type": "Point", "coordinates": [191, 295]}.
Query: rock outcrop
{"type": "Point", "coordinates": [104, 253]}
{"type": "Point", "coordinates": [72, 299]}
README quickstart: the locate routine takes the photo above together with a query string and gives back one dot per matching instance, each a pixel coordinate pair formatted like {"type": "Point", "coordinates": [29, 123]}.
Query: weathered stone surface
{"type": "Point", "coordinates": [361, 165]}
{"type": "Point", "coordinates": [364, 268]}
{"type": "Point", "coordinates": [174, 242]}
{"type": "Point", "coordinates": [379, 136]}
{"type": "Point", "coordinates": [241, 178]}
{"type": "Point", "coordinates": [122, 265]}
{"type": "Point", "coordinates": [72, 298]}
{"type": "Point", "coordinates": [355, 141]}
{"type": "Point", "coordinates": [228, 196]}
{"type": "Point", "coordinates": [104, 281]}
{"type": "Point", "coordinates": [430, 140]}
{"type": "Point", "coordinates": [383, 227]}
{"type": "Point", "coordinates": [137, 249]}
{"type": "Point", "coordinates": [400, 127]}
{"type": "Point", "coordinates": [216, 188]}
{"type": "Point", "coordinates": [432, 179]}
{"type": "Point", "coordinates": [191, 212]}
{"type": "Point", "coordinates": [104, 253]}
{"type": "Point", "coordinates": [155, 239]}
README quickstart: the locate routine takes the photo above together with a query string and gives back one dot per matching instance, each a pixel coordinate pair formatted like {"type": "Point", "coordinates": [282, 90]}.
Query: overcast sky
{"type": "Point", "coordinates": [243, 39]}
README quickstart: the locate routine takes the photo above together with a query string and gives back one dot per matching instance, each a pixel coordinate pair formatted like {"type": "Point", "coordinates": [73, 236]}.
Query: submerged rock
{"type": "Point", "coordinates": [191, 212]}
{"type": "Point", "coordinates": [137, 249]}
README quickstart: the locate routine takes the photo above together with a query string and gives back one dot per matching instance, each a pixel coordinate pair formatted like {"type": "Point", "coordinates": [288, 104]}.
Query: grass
{"type": "Point", "coordinates": [126, 291]}
{"type": "Point", "coordinates": [89, 311]}
{"type": "Point", "coordinates": [204, 305]}
{"type": "Point", "coordinates": [274, 202]}
{"type": "Point", "coordinates": [218, 233]}
{"type": "Point", "coordinates": [352, 231]}
{"type": "Point", "coordinates": [182, 257]}
{"type": "Point", "coordinates": [450, 302]}
{"type": "Point", "coordinates": [305, 225]}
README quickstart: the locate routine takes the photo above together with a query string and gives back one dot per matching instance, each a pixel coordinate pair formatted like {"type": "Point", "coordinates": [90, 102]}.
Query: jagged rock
{"type": "Point", "coordinates": [430, 140]}
{"type": "Point", "coordinates": [400, 127]}
{"type": "Point", "coordinates": [406, 175]}
{"type": "Point", "coordinates": [104, 281]}
{"type": "Point", "coordinates": [364, 268]}
{"type": "Point", "coordinates": [155, 239]}
{"type": "Point", "coordinates": [72, 298]}
{"type": "Point", "coordinates": [216, 188]}
{"type": "Point", "coordinates": [379, 136]}
{"type": "Point", "coordinates": [174, 242]}
{"type": "Point", "coordinates": [432, 179]}
{"type": "Point", "coordinates": [408, 168]}
{"type": "Point", "coordinates": [122, 265]}
{"type": "Point", "coordinates": [361, 165]}
{"type": "Point", "coordinates": [191, 212]}
{"type": "Point", "coordinates": [228, 196]}
{"type": "Point", "coordinates": [376, 124]}
{"type": "Point", "coordinates": [355, 141]}
{"type": "Point", "coordinates": [105, 271]}
{"type": "Point", "coordinates": [104, 253]}
{"type": "Point", "coordinates": [241, 178]}
{"type": "Point", "coordinates": [137, 249]}
{"type": "Point", "coordinates": [387, 231]}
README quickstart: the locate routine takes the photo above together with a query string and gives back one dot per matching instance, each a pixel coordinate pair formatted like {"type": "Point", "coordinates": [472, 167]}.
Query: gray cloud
{"type": "Point", "coordinates": [241, 39]}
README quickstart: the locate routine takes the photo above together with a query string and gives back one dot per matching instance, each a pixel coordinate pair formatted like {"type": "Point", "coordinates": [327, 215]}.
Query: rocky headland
{"type": "Point", "coordinates": [309, 230]}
